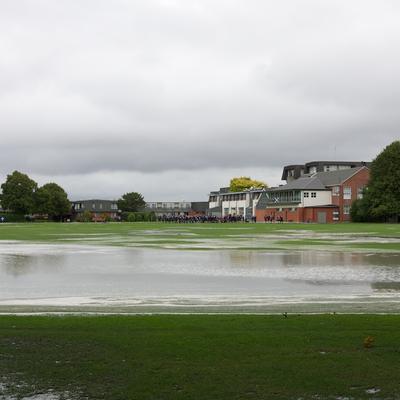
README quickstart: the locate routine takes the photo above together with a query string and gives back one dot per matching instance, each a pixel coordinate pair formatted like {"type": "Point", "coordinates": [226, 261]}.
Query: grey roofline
{"type": "Point", "coordinates": [246, 191]}
{"type": "Point", "coordinates": [336, 162]}
{"type": "Point", "coordinates": [312, 163]}
{"type": "Point", "coordinates": [356, 171]}
{"type": "Point", "coordinates": [83, 201]}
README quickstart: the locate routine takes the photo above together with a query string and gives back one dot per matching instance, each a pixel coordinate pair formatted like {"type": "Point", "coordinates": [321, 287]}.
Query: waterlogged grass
{"type": "Point", "coordinates": [213, 236]}
{"type": "Point", "coordinates": [201, 357]}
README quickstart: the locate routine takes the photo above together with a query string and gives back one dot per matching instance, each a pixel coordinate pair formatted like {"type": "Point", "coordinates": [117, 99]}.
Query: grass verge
{"type": "Point", "coordinates": [201, 357]}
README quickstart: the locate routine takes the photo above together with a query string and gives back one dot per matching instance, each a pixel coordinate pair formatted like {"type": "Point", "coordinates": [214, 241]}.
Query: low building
{"type": "Point", "coordinates": [223, 203]}
{"type": "Point", "coordinates": [320, 197]}
{"type": "Point", "coordinates": [177, 208]}
{"type": "Point", "coordinates": [101, 210]}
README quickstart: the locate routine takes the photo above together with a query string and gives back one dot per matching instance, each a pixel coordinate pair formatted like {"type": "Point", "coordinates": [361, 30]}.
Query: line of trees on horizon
{"type": "Point", "coordinates": [22, 196]}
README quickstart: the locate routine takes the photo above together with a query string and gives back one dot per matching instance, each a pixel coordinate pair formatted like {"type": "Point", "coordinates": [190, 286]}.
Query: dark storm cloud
{"type": "Point", "coordinates": [150, 86]}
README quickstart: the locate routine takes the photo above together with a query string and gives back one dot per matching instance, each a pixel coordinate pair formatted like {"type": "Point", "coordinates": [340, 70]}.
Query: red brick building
{"type": "Point", "coordinates": [323, 197]}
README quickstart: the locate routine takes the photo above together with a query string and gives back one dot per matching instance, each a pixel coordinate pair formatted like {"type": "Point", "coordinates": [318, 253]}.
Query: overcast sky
{"type": "Point", "coordinates": [172, 98]}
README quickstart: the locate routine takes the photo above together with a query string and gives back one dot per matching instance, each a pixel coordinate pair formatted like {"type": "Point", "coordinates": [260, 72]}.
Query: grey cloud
{"type": "Point", "coordinates": [92, 87]}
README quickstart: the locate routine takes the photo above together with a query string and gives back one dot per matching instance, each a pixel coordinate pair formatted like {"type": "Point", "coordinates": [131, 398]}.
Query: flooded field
{"type": "Point", "coordinates": [87, 278]}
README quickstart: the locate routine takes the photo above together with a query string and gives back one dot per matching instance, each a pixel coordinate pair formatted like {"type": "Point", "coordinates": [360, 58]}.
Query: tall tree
{"type": "Point", "coordinates": [384, 187]}
{"type": "Point", "coordinates": [131, 202]}
{"type": "Point", "coordinates": [51, 199]}
{"type": "Point", "coordinates": [18, 193]}
{"type": "Point", "coordinates": [381, 201]}
{"type": "Point", "coordinates": [241, 183]}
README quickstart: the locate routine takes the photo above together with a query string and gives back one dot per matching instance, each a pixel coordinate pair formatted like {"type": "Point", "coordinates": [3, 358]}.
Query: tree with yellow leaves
{"type": "Point", "coordinates": [238, 184]}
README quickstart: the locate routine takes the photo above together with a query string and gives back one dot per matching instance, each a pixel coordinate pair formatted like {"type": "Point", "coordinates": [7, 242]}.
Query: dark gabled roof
{"type": "Point", "coordinates": [333, 178]}
{"type": "Point", "coordinates": [303, 183]}
{"type": "Point", "coordinates": [296, 167]}
{"type": "Point", "coordinates": [94, 201]}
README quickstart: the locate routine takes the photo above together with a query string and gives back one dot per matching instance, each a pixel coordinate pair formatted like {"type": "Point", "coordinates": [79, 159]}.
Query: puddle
{"type": "Point", "coordinates": [48, 275]}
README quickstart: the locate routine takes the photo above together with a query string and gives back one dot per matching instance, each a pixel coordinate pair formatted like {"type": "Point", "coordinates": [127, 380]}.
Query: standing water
{"type": "Point", "coordinates": [111, 279]}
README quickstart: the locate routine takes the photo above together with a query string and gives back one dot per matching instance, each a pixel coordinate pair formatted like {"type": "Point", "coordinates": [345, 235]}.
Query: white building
{"type": "Point", "coordinates": [223, 202]}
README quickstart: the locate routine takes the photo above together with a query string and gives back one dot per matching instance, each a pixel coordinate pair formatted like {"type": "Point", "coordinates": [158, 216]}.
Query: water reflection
{"type": "Point", "coordinates": [46, 271]}
{"type": "Point", "coordinates": [18, 264]}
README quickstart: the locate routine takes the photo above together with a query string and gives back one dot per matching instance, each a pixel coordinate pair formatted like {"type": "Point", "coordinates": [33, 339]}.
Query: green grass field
{"type": "Point", "coordinates": [344, 237]}
{"type": "Point", "coordinates": [201, 357]}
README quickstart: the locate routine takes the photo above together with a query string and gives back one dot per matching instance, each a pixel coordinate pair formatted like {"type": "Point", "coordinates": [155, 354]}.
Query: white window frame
{"type": "Point", "coordinates": [347, 193]}
{"type": "Point", "coordinates": [336, 191]}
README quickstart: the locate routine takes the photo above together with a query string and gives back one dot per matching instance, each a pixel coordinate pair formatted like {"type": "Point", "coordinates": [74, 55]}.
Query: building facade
{"type": "Point", "coordinates": [322, 197]}
{"type": "Point", "coordinates": [223, 203]}
{"type": "Point", "coordinates": [177, 208]}
{"type": "Point", "coordinates": [101, 210]}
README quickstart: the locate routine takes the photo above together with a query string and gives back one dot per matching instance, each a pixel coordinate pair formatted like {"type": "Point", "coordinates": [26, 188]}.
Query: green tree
{"type": "Point", "coordinates": [18, 193]}
{"type": "Point", "coordinates": [238, 184]}
{"type": "Point", "coordinates": [131, 202]}
{"type": "Point", "coordinates": [51, 199]}
{"type": "Point", "coordinates": [361, 210]}
{"type": "Point", "coordinates": [383, 194]}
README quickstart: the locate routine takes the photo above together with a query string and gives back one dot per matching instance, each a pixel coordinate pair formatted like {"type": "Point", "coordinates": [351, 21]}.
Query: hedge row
{"type": "Point", "coordinates": [11, 217]}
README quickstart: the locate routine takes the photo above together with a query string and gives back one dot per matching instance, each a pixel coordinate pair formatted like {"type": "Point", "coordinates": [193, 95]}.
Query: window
{"type": "Point", "coordinates": [101, 206]}
{"type": "Point", "coordinates": [360, 192]}
{"type": "Point", "coordinates": [328, 168]}
{"type": "Point", "coordinates": [93, 206]}
{"type": "Point", "coordinates": [306, 194]}
{"type": "Point", "coordinates": [314, 194]}
{"type": "Point", "coordinates": [346, 210]}
{"type": "Point", "coordinates": [241, 210]}
{"type": "Point", "coordinates": [336, 191]}
{"type": "Point", "coordinates": [226, 211]}
{"type": "Point", "coordinates": [347, 193]}
{"type": "Point", "coordinates": [313, 170]}
{"type": "Point", "coordinates": [293, 209]}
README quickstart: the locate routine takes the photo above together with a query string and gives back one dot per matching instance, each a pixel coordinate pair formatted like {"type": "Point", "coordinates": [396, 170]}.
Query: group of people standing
{"type": "Point", "coordinates": [183, 219]}
{"type": "Point", "coordinates": [268, 218]}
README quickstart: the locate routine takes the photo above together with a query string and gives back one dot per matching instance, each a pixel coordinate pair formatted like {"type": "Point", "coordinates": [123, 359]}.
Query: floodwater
{"type": "Point", "coordinates": [46, 277]}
